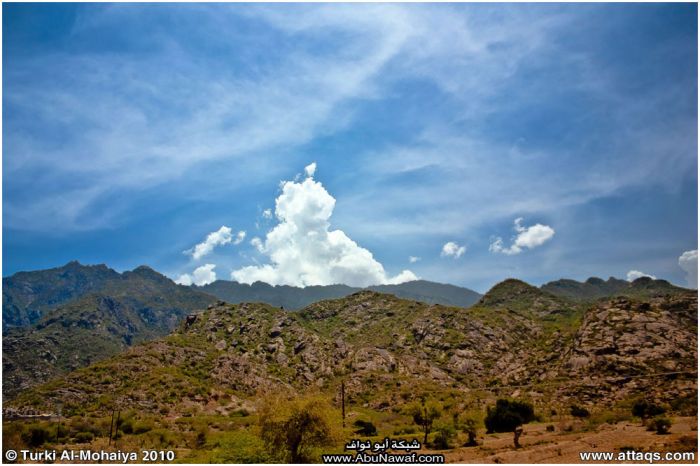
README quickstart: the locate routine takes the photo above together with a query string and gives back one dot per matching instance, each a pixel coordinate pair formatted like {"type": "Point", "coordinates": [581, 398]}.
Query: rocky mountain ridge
{"type": "Point", "coordinates": [295, 298]}
{"type": "Point", "coordinates": [388, 351]}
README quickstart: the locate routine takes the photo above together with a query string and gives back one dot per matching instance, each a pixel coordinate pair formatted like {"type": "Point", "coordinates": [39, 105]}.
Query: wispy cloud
{"type": "Point", "coordinates": [452, 249]}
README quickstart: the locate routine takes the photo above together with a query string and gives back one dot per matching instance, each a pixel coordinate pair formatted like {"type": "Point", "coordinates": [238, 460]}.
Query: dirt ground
{"type": "Point", "coordinates": [540, 446]}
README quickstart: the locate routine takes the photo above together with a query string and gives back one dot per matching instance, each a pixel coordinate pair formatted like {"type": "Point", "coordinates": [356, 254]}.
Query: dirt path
{"type": "Point", "coordinates": [540, 446]}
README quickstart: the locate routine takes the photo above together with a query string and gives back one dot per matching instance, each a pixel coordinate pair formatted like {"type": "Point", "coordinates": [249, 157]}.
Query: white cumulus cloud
{"type": "Point", "coordinates": [688, 261]}
{"type": "Point", "coordinates": [267, 213]}
{"type": "Point", "coordinates": [452, 249]}
{"type": "Point", "coordinates": [527, 237]}
{"type": "Point", "coordinates": [201, 276]}
{"type": "Point", "coordinates": [213, 239]}
{"type": "Point", "coordinates": [632, 275]}
{"type": "Point", "coordinates": [303, 250]}
{"type": "Point", "coordinates": [413, 259]}
{"type": "Point", "coordinates": [310, 169]}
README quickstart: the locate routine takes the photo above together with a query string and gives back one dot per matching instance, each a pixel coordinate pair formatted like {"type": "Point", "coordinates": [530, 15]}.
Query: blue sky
{"type": "Point", "coordinates": [132, 131]}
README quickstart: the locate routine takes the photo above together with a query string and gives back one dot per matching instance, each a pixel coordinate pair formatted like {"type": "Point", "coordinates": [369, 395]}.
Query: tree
{"type": "Point", "coordinates": [644, 409]}
{"type": "Point", "coordinates": [424, 415]}
{"type": "Point", "coordinates": [579, 411]}
{"type": "Point", "coordinates": [509, 416]}
{"type": "Point", "coordinates": [443, 437]}
{"type": "Point", "coordinates": [469, 428]}
{"type": "Point", "coordinates": [292, 429]}
{"type": "Point", "coordinates": [466, 424]}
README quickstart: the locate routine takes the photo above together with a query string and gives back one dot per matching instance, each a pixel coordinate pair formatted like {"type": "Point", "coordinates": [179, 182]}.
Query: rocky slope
{"type": "Point", "coordinates": [26, 296]}
{"type": "Point", "coordinates": [129, 308]}
{"type": "Point", "coordinates": [517, 341]}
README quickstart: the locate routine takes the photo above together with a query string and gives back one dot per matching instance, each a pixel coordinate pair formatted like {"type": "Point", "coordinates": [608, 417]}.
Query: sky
{"type": "Point", "coordinates": [352, 143]}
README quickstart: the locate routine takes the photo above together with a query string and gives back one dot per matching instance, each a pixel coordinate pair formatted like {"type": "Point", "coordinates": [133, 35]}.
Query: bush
{"type": "Point", "coordinates": [141, 427]}
{"type": "Point", "coordinates": [239, 447]}
{"type": "Point", "coordinates": [443, 437]}
{"type": "Point", "coordinates": [292, 429]}
{"type": "Point", "coordinates": [579, 411]}
{"type": "Point", "coordinates": [36, 436]}
{"type": "Point", "coordinates": [365, 428]}
{"type": "Point", "coordinates": [405, 430]}
{"type": "Point", "coordinates": [84, 437]}
{"type": "Point", "coordinates": [660, 424]}
{"type": "Point", "coordinates": [644, 409]}
{"type": "Point", "coordinates": [201, 439]}
{"type": "Point", "coordinates": [507, 415]}
{"type": "Point", "coordinates": [127, 426]}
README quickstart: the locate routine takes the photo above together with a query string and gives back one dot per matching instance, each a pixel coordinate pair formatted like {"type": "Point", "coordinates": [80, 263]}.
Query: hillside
{"type": "Point", "coordinates": [295, 298]}
{"type": "Point", "coordinates": [596, 288]}
{"type": "Point", "coordinates": [26, 296]}
{"type": "Point", "coordinates": [130, 308]}
{"type": "Point", "coordinates": [390, 350]}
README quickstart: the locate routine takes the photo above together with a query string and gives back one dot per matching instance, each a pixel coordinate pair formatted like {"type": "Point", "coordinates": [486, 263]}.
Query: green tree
{"type": "Point", "coordinates": [444, 436]}
{"type": "Point", "coordinates": [469, 427]}
{"type": "Point", "coordinates": [509, 416]}
{"type": "Point", "coordinates": [424, 414]}
{"type": "Point", "coordinates": [292, 429]}
{"type": "Point", "coordinates": [644, 409]}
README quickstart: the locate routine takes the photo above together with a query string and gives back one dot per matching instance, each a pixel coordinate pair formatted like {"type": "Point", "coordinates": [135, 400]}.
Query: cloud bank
{"type": "Point", "coordinates": [632, 275]}
{"type": "Point", "coordinates": [201, 276]}
{"type": "Point", "coordinates": [688, 261]}
{"type": "Point", "coordinates": [527, 237]}
{"type": "Point", "coordinates": [302, 249]}
{"type": "Point", "coordinates": [452, 249]}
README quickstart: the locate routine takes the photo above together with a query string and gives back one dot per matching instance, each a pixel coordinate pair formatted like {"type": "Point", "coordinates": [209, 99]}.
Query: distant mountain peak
{"type": "Point", "coordinates": [596, 288]}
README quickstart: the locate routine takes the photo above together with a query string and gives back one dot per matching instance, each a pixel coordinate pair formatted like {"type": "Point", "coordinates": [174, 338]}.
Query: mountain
{"type": "Point", "coordinates": [596, 288]}
{"type": "Point", "coordinates": [295, 298]}
{"type": "Point", "coordinates": [125, 309]}
{"type": "Point", "coordinates": [26, 296]}
{"type": "Point", "coordinates": [518, 296]}
{"type": "Point", "coordinates": [389, 351]}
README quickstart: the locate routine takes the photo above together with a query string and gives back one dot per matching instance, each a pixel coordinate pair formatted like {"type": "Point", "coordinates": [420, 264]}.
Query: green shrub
{"type": "Point", "coordinates": [405, 430]}
{"type": "Point", "coordinates": [645, 409]}
{"type": "Point", "coordinates": [142, 427]}
{"type": "Point", "coordinates": [128, 426]}
{"type": "Point", "coordinates": [443, 437]}
{"type": "Point", "coordinates": [579, 411]}
{"type": "Point", "coordinates": [239, 447]}
{"type": "Point", "coordinates": [660, 424]}
{"type": "Point", "coordinates": [84, 437]}
{"type": "Point", "coordinates": [365, 428]}
{"type": "Point", "coordinates": [36, 435]}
